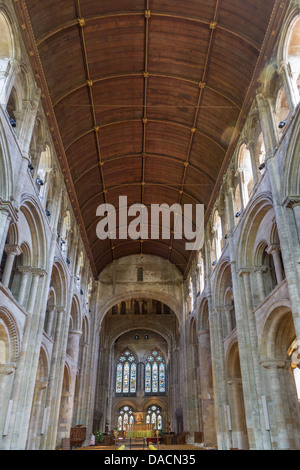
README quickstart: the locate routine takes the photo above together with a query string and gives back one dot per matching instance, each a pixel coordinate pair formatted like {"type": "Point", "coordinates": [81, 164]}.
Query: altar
{"type": "Point", "coordinates": [139, 430]}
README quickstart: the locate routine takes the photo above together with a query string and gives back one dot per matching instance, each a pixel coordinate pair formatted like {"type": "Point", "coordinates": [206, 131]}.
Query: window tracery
{"type": "Point", "coordinates": [126, 374]}
{"type": "Point", "coordinates": [155, 374]}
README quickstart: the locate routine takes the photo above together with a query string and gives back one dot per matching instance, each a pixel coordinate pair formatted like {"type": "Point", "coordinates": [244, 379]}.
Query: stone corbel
{"type": "Point", "coordinates": [7, 369]}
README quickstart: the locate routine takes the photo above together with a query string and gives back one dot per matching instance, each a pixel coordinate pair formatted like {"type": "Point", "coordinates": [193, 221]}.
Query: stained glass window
{"type": "Point", "coordinates": [155, 374]}
{"type": "Point", "coordinates": [154, 416]}
{"type": "Point", "coordinates": [126, 374]}
{"type": "Point", "coordinates": [125, 417]}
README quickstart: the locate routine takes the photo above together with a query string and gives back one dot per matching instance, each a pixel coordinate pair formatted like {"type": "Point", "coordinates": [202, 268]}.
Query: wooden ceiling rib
{"type": "Point", "coordinates": [146, 99]}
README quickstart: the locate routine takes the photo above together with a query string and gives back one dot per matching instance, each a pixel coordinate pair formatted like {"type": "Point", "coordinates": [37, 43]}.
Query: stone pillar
{"type": "Point", "coordinates": [21, 179]}
{"type": "Point", "coordinates": [277, 399]}
{"type": "Point", "coordinates": [228, 315]}
{"type": "Point", "coordinates": [73, 351]}
{"type": "Point", "coordinates": [254, 357]}
{"type": "Point", "coordinates": [254, 161]}
{"type": "Point", "coordinates": [12, 251]}
{"type": "Point", "coordinates": [287, 241]}
{"type": "Point", "coordinates": [274, 250]}
{"type": "Point", "coordinates": [259, 275]}
{"type": "Point", "coordinates": [207, 399]}
{"type": "Point", "coordinates": [5, 220]}
{"type": "Point", "coordinates": [26, 273]}
{"type": "Point", "coordinates": [6, 378]}
{"type": "Point", "coordinates": [20, 385]}
{"type": "Point", "coordinates": [50, 318]}
{"type": "Point", "coordinates": [293, 203]}
{"type": "Point", "coordinates": [239, 429]}
{"type": "Point", "coordinates": [55, 380]}
{"type": "Point", "coordinates": [291, 90]}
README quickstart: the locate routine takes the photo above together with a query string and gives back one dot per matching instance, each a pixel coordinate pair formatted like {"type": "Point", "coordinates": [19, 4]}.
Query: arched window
{"type": "Point", "coordinates": [218, 240]}
{"type": "Point", "coordinates": [155, 374]}
{"type": "Point", "coordinates": [282, 110]}
{"type": "Point", "coordinates": [126, 374]}
{"type": "Point", "coordinates": [154, 417]}
{"type": "Point", "coordinates": [246, 174]}
{"type": "Point", "coordinates": [43, 174]}
{"type": "Point", "coordinates": [293, 52]}
{"type": "Point", "coordinates": [140, 274]}
{"type": "Point", "coordinates": [125, 418]}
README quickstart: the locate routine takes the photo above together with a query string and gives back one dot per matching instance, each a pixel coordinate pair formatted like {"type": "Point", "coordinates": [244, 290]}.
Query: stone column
{"type": "Point", "coordinates": [259, 273]}
{"type": "Point", "coordinates": [5, 220]}
{"type": "Point", "coordinates": [73, 351]}
{"type": "Point", "coordinates": [254, 161]}
{"type": "Point", "coordinates": [293, 203]}
{"type": "Point", "coordinates": [55, 380]}
{"type": "Point", "coordinates": [20, 385]}
{"type": "Point", "coordinates": [228, 315]}
{"type": "Point", "coordinates": [50, 319]}
{"type": "Point", "coordinates": [26, 273]}
{"type": "Point", "coordinates": [291, 90]}
{"type": "Point", "coordinates": [254, 358]}
{"type": "Point", "coordinates": [277, 399]}
{"type": "Point", "coordinates": [6, 377]}
{"type": "Point", "coordinates": [239, 431]}
{"type": "Point", "coordinates": [207, 399]}
{"type": "Point", "coordinates": [12, 251]}
{"type": "Point", "coordinates": [21, 179]}
{"type": "Point", "coordinates": [287, 241]}
{"type": "Point", "coordinates": [274, 250]}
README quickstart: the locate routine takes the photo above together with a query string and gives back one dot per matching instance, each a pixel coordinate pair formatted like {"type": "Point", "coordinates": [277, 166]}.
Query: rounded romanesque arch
{"type": "Point", "coordinates": [36, 231]}
{"type": "Point", "coordinates": [258, 209]}
{"type": "Point", "coordinates": [277, 338]}
{"type": "Point", "coordinates": [9, 338]}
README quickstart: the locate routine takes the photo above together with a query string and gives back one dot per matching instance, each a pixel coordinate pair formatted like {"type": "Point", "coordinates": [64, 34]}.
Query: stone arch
{"type": "Point", "coordinates": [135, 293]}
{"type": "Point", "coordinates": [9, 335]}
{"type": "Point", "coordinates": [203, 315]}
{"type": "Point", "coordinates": [6, 174]}
{"type": "Point", "coordinates": [291, 170]}
{"type": "Point", "coordinates": [235, 397]}
{"type": "Point", "coordinates": [35, 220]}
{"type": "Point", "coordinates": [276, 336]}
{"type": "Point", "coordinates": [7, 49]}
{"type": "Point", "coordinates": [224, 300]}
{"type": "Point", "coordinates": [257, 210]}
{"type": "Point", "coordinates": [75, 314]}
{"type": "Point", "coordinates": [59, 282]}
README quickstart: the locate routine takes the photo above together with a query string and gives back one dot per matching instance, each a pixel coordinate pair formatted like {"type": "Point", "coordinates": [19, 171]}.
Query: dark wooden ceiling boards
{"type": "Point", "coordinates": [146, 98]}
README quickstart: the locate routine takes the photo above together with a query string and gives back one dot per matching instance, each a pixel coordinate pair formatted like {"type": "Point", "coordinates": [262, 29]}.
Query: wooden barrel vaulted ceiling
{"type": "Point", "coordinates": [146, 99]}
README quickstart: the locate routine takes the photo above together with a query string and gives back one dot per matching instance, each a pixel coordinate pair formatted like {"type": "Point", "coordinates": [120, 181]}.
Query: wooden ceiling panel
{"type": "Point", "coordinates": [115, 45]}
{"type": "Point", "coordinates": [119, 99]}
{"type": "Point", "coordinates": [217, 108]}
{"type": "Point", "coordinates": [248, 22]}
{"type": "Point", "coordinates": [171, 99]}
{"type": "Point", "coordinates": [167, 138]}
{"type": "Point", "coordinates": [122, 249]}
{"type": "Point", "coordinates": [82, 155]}
{"type": "Point", "coordinates": [177, 47]}
{"type": "Point", "coordinates": [143, 97]}
{"type": "Point", "coordinates": [73, 115]}
{"type": "Point", "coordinates": [124, 138]}
{"type": "Point", "coordinates": [163, 171]}
{"type": "Point", "coordinates": [207, 154]}
{"type": "Point", "coordinates": [231, 66]}
{"type": "Point", "coordinates": [88, 186]}
{"type": "Point", "coordinates": [61, 57]}
{"type": "Point", "coordinates": [92, 8]}
{"type": "Point", "coordinates": [198, 186]}
{"type": "Point", "coordinates": [198, 9]}
{"type": "Point", "coordinates": [52, 17]}
{"type": "Point", "coordinates": [122, 171]}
